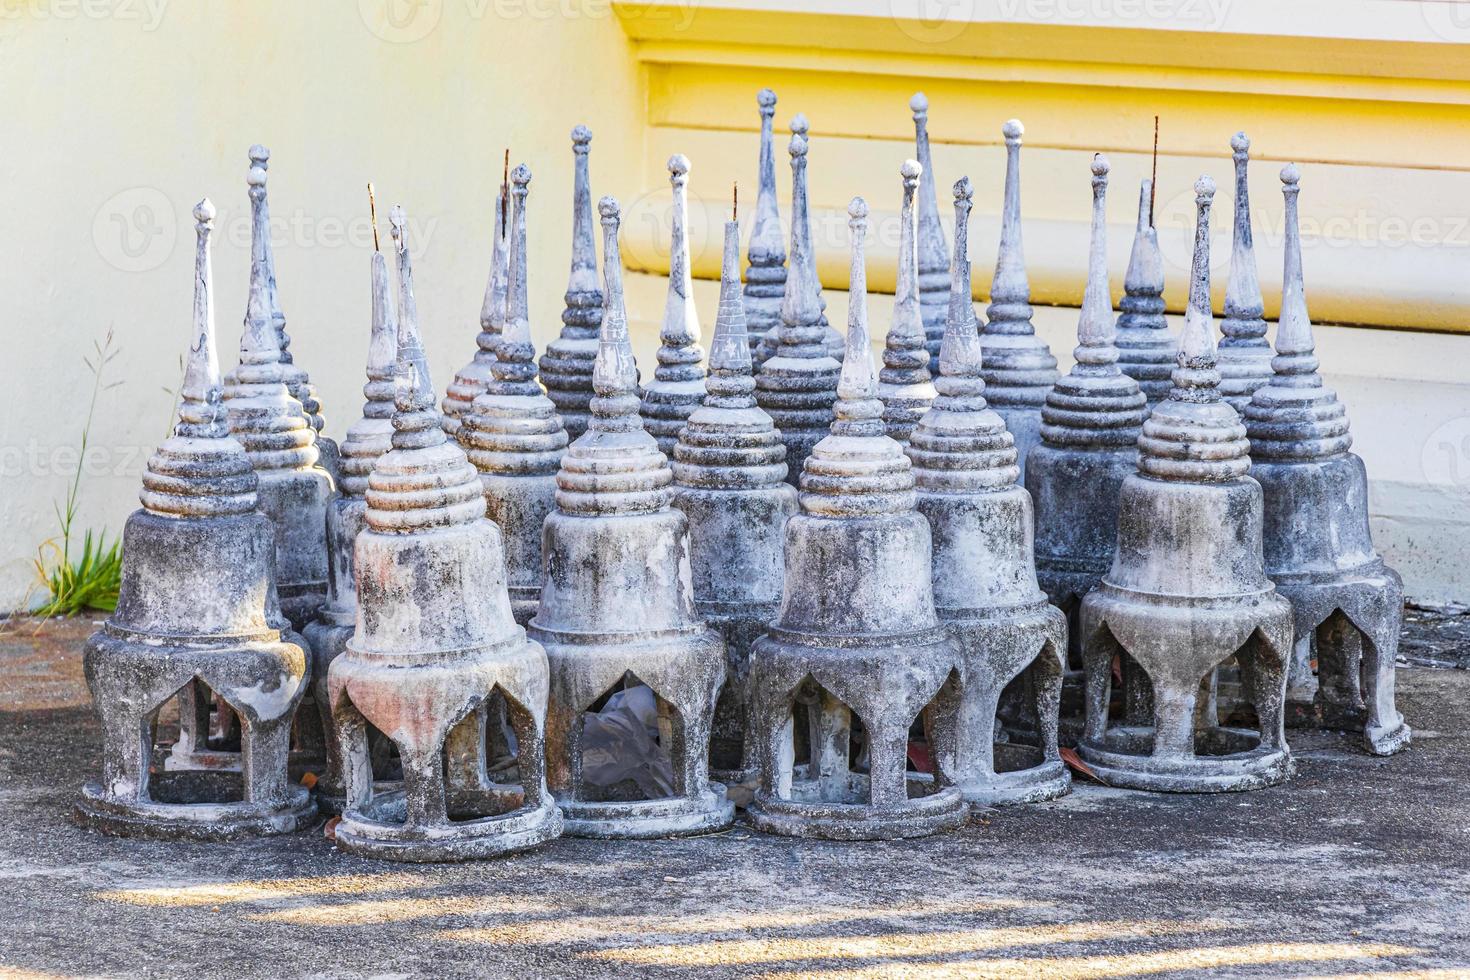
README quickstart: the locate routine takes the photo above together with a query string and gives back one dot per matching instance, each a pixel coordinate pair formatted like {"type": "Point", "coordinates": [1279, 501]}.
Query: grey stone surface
{"type": "Point", "coordinates": [472, 379]}
{"type": "Point", "coordinates": [677, 387]}
{"type": "Point", "coordinates": [1187, 590]}
{"type": "Point", "coordinates": [797, 384]}
{"type": "Point", "coordinates": [933, 255]}
{"type": "Point", "coordinates": [566, 366]}
{"type": "Point", "coordinates": [729, 480]}
{"type": "Point", "coordinates": [1089, 446]}
{"type": "Point", "coordinates": [1019, 367]}
{"type": "Point", "coordinates": [513, 434]}
{"type": "Point", "coordinates": [368, 438]}
{"type": "Point", "coordinates": [281, 441]}
{"type": "Point", "coordinates": [765, 276]}
{"type": "Point", "coordinates": [904, 384]}
{"type": "Point", "coordinates": [801, 228]}
{"type": "Point", "coordinates": [1145, 344]}
{"type": "Point", "coordinates": [197, 605]}
{"type": "Point", "coordinates": [1245, 356]}
{"type": "Point", "coordinates": [617, 606]}
{"type": "Point", "coordinates": [434, 640]}
{"type": "Point", "coordinates": [985, 586]}
{"type": "Point", "coordinates": [1318, 548]}
{"type": "Point", "coordinates": [857, 641]}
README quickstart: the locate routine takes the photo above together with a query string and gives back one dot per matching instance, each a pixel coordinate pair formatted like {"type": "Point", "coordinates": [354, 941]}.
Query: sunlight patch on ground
{"type": "Point", "coordinates": [229, 892]}
{"type": "Point", "coordinates": [380, 910]}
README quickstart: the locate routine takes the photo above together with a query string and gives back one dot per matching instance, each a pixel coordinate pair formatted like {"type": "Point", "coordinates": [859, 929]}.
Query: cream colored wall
{"type": "Point", "coordinates": [117, 121]}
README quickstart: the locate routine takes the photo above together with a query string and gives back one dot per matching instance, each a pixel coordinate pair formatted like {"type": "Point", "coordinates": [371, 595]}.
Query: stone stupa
{"type": "Point", "coordinates": [434, 640]}
{"type": "Point", "coordinates": [904, 383]}
{"type": "Point", "coordinates": [933, 257]}
{"type": "Point", "coordinates": [197, 604]}
{"type": "Point", "coordinates": [617, 609]}
{"type": "Point", "coordinates": [765, 276]}
{"type": "Point", "coordinates": [965, 471]}
{"type": "Point", "coordinates": [858, 652]}
{"type": "Point", "coordinates": [470, 380]}
{"type": "Point", "coordinates": [1245, 355]}
{"type": "Point", "coordinates": [1319, 550]}
{"type": "Point", "coordinates": [1145, 344]}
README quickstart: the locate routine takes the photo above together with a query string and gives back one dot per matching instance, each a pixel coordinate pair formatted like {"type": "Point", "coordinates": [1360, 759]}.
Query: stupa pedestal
{"type": "Point", "coordinates": [1019, 368]}
{"type": "Point", "coordinates": [1145, 345]}
{"type": "Point", "coordinates": [1187, 588]}
{"type": "Point", "coordinates": [1089, 445]}
{"type": "Point", "coordinates": [964, 464]}
{"type": "Point", "coordinates": [197, 603]}
{"type": "Point", "coordinates": [765, 276]}
{"type": "Point", "coordinates": [434, 640]}
{"type": "Point", "coordinates": [677, 388]}
{"type": "Point", "coordinates": [1318, 547]}
{"type": "Point", "coordinates": [514, 436]}
{"type": "Point", "coordinates": [904, 383]}
{"type": "Point", "coordinates": [617, 609]}
{"type": "Point", "coordinates": [729, 480]}
{"type": "Point", "coordinates": [566, 367]}
{"type": "Point", "coordinates": [858, 642]}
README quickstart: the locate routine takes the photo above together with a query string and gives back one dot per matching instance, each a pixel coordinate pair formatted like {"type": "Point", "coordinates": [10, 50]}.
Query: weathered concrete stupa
{"type": "Point", "coordinates": [566, 367]}
{"type": "Point", "coordinates": [368, 438]}
{"type": "Point", "coordinates": [298, 382]}
{"type": "Point", "coordinates": [904, 383]}
{"type": "Point", "coordinates": [1319, 551]}
{"type": "Point", "coordinates": [1089, 441]}
{"type": "Point", "coordinates": [677, 388]}
{"type": "Point", "coordinates": [1187, 588]}
{"type": "Point", "coordinates": [470, 380]}
{"type": "Point", "coordinates": [513, 434]}
{"type": "Point", "coordinates": [197, 603]}
{"type": "Point", "coordinates": [798, 383]}
{"type": "Point", "coordinates": [965, 472]}
{"type": "Point", "coordinates": [434, 639]}
{"type": "Point", "coordinates": [1019, 367]}
{"type": "Point", "coordinates": [1145, 345]}
{"type": "Point", "coordinates": [933, 256]}
{"type": "Point", "coordinates": [765, 276]}
{"type": "Point", "coordinates": [617, 609]}
{"type": "Point", "coordinates": [729, 480]}
{"type": "Point", "coordinates": [281, 441]}
{"type": "Point", "coordinates": [858, 642]}
{"type": "Point", "coordinates": [1245, 356]}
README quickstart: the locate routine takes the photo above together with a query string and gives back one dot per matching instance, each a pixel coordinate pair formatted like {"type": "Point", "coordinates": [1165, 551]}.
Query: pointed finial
{"type": "Point", "coordinates": [933, 259]}
{"type": "Point", "coordinates": [729, 354]}
{"type": "Point", "coordinates": [1244, 306]}
{"type": "Point", "coordinates": [614, 374]}
{"type": "Point", "coordinates": [904, 379]}
{"type": "Point", "coordinates": [1294, 331]}
{"type": "Point", "coordinates": [200, 411]}
{"type": "Point", "coordinates": [497, 285]}
{"type": "Point", "coordinates": [680, 328]}
{"type": "Point", "coordinates": [1095, 333]}
{"type": "Point", "coordinates": [415, 391]}
{"type": "Point", "coordinates": [960, 353]}
{"type": "Point", "coordinates": [1010, 291]}
{"type": "Point", "coordinates": [799, 305]}
{"type": "Point", "coordinates": [582, 285]}
{"type": "Point", "coordinates": [260, 339]}
{"type": "Point", "coordinates": [517, 330]}
{"type": "Point", "coordinates": [1145, 345]}
{"type": "Point", "coordinates": [260, 160]}
{"type": "Point", "coordinates": [1196, 377]}
{"type": "Point", "coordinates": [799, 125]}
{"type": "Point", "coordinates": [857, 386]}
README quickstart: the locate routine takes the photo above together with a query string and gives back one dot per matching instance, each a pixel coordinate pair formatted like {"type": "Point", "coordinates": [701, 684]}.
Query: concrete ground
{"type": "Point", "coordinates": [1359, 866]}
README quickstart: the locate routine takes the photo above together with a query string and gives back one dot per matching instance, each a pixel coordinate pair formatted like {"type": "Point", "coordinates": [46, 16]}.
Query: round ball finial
{"type": "Point", "coordinates": [581, 135]}
{"type": "Point", "coordinates": [608, 208]}
{"type": "Point", "coordinates": [963, 189]}
{"type": "Point", "coordinates": [799, 124]}
{"type": "Point", "coordinates": [1240, 142]}
{"type": "Point", "coordinates": [1290, 174]}
{"type": "Point", "coordinates": [256, 177]}
{"type": "Point", "coordinates": [1204, 188]}
{"type": "Point", "coordinates": [678, 165]}
{"type": "Point", "coordinates": [1100, 165]}
{"type": "Point", "coordinates": [798, 145]}
{"type": "Point", "coordinates": [521, 175]}
{"type": "Point", "coordinates": [204, 211]}
{"type": "Point", "coordinates": [857, 209]}
{"type": "Point", "coordinates": [911, 170]}
{"type": "Point", "coordinates": [919, 104]}
{"type": "Point", "coordinates": [1013, 130]}
{"type": "Point", "coordinates": [766, 99]}
{"type": "Point", "coordinates": [259, 154]}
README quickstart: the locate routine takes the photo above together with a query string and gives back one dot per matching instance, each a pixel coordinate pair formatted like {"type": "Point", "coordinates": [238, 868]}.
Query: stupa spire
{"type": "Point", "coordinates": [1145, 345]}
{"type": "Point", "coordinates": [933, 262]}
{"type": "Point", "coordinates": [566, 367]}
{"type": "Point", "coordinates": [372, 436]}
{"type": "Point", "coordinates": [905, 384]}
{"type": "Point", "coordinates": [1019, 368]}
{"type": "Point", "coordinates": [678, 381]}
{"type": "Point", "coordinates": [471, 379]}
{"type": "Point", "coordinates": [1244, 356]}
{"type": "Point", "coordinates": [200, 471]}
{"type": "Point", "coordinates": [765, 276]}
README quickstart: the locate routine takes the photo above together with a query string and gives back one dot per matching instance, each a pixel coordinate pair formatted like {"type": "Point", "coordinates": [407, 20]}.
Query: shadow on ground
{"type": "Point", "coordinates": [1359, 866]}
